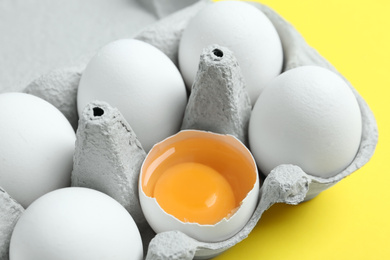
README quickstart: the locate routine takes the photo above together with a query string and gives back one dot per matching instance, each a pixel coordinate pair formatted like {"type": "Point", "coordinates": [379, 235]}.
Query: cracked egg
{"type": "Point", "coordinates": [201, 183]}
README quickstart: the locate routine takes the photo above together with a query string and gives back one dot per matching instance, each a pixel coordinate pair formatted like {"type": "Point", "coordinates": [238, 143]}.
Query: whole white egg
{"type": "Point", "coordinates": [78, 224]}
{"type": "Point", "coordinates": [307, 116]}
{"type": "Point", "coordinates": [243, 29]}
{"type": "Point", "coordinates": [36, 147]}
{"type": "Point", "coordinates": [142, 82]}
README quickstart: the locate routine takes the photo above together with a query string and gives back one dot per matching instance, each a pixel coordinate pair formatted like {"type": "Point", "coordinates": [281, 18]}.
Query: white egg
{"type": "Point", "coordinates": [142, 82]}
{"type": "Point", "coordinates": [308, 116]}
{"type": "Point", "coordinates": [243, 29]}
{"type": "Point", "coordinates": [203, 184]}
{"type": "Point", "coordinates": [78, 224]}
{"type": "Point", "coordinates": [36, 147]}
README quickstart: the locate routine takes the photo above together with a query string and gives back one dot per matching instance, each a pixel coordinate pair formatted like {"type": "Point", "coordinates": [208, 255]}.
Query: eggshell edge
{"type": "Point", "coordinates": [222, 230]}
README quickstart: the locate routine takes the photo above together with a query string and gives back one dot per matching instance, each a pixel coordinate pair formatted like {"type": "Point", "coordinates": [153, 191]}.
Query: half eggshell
{"type": "Point", "coordinates": [179, 149]}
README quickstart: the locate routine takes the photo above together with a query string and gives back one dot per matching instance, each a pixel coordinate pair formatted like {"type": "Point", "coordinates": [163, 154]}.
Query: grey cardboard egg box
{"type": "Point", "coordinates": [285, 184]}
{"type": "Point", "coordinates": [10, 211]}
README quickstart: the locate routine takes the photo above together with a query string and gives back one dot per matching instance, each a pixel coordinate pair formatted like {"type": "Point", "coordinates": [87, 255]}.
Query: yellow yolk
{"type": "Point", "coordinates": [194, 192]}
{"type": "Point", "coordinates": [199, 179]}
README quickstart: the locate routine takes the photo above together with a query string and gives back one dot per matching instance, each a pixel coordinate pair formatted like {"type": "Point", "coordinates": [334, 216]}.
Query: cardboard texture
{"type": "Point", "coordinates": [108, 158]}
{"type": "Point", "coordinates": [166, 33]}
{"type": "Point", "coordinates": [219, 101]}
{"type": "Point", "coordinates": [163, 8]}
{"type": "Point", "coordinates": [59, 87]}
{"type": "Point", "coordinates": [10, 211]}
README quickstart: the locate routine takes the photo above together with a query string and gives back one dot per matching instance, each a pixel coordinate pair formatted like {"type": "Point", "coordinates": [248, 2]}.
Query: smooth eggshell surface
{"type": "Point", "coordinates": [142, 82]}
{"type": "Point", "coordinates": [308, 116]}
{"type": "Point", "coordinates": [243, 29]}
{"type": "Point", "coordinates": [36, 147]}
{"type": "Point", "coordinates": [78, 224]}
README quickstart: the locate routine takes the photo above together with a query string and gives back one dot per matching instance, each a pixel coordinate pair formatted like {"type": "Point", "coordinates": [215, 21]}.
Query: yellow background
{"type": "Point", "coordinates": [351, 220]}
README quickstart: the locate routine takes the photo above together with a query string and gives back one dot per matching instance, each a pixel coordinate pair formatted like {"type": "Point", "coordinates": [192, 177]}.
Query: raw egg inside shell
{"type": "Point", "coordinates": [196, 181]}
{"type": "Point", "coordinates": [194, 192]}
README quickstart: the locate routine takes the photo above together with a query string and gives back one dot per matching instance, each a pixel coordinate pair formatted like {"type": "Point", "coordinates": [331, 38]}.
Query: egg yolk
{"type": "Point", "coordinates": [194, 192]}
{"type": "Point", "coordinates": [199, 179]}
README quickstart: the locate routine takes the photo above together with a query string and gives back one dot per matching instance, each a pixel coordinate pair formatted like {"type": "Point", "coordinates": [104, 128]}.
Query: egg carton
{"type": "Point", "coordinates": [111, 141]}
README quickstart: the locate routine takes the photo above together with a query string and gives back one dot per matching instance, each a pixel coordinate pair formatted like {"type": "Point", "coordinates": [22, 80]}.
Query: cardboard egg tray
{"type": "Point", "coordinates": [114, 143]}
